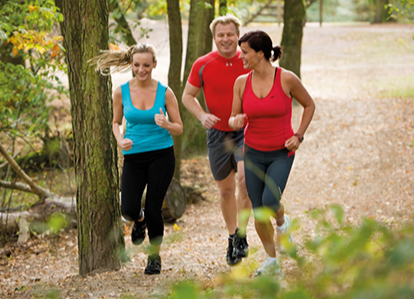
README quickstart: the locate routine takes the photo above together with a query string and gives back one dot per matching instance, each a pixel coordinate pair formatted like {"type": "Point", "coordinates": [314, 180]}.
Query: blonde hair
{"type": "Point", "coordinates": [120, 60]}
{"type": "Point", "coordinates": [224, 20]}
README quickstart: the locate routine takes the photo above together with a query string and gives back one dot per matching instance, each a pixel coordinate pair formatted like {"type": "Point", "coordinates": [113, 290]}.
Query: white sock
{"type": "Point", "coordinates": [283, 225]}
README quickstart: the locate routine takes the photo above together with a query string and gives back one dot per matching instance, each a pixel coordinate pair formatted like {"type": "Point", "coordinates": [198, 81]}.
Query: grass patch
{"type": "Point", "coordinates": [397, 87]}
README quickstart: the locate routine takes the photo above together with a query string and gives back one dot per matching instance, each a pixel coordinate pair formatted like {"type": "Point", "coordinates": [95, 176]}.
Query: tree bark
{"type": "Point", "coordinates": [199, 42]}
{"type": "Point", "coordinates": [200, 39]}
{"type": "Point", "coordinates": [381, 12]}
{"type": "Point", "coordinates": [222, 7]}
{"type": "Point", "coordinates": [122, 23]}
{"type": "Point", "coordinates": [100, 235]}
{"type": "Point", "coordinates": [174, 71]}
{"type": "Point", "coordinates": [294, 14]}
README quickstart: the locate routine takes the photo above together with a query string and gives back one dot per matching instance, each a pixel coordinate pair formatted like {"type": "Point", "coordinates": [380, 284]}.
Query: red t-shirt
{"type": "Point", "coordinates": [269, 119]}
{"type": "Point", "coordinates": [218, 75]}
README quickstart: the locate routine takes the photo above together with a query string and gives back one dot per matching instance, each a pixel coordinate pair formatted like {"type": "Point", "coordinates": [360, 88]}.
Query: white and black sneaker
{"type": "Point", "coordinates": [284, 232]}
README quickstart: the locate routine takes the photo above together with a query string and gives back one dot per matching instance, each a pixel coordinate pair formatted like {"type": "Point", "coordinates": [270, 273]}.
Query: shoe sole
{"type": "Point", "coordinates": [236, 261]}
{"type": "Point", "coordinates": [138, 242]}
{"type": "Point", "coordinates": [240, 254]}
{"type": "Point", "coordinates": [152, 272]}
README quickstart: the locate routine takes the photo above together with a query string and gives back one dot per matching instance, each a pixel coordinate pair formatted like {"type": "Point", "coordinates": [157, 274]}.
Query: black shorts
{"type": "Point", "coordinates": [225, 150]}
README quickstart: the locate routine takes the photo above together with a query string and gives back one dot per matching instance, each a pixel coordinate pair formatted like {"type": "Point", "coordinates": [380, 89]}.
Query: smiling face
{"type": "Point", "coordinates": [225, 38]}
{"type": "Point", "coordinates": [142, 65]}
{"type": "Point", "coordinates": [249, 56]}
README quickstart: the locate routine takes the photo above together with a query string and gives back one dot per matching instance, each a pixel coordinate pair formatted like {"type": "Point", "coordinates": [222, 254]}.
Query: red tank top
{"type": "Point", "coordinates": [269, 119]}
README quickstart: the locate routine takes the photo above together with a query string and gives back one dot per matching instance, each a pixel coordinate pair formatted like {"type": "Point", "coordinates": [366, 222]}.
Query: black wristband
{"type": "Point", "coordinates": [300, 137]}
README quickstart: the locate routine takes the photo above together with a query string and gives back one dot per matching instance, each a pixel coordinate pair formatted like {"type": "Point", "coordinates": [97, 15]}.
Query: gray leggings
{"type": "Point", "coordinates": [266, 176]}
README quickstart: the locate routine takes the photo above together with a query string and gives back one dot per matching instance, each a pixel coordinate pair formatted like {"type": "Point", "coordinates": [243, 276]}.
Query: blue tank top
{"type": "Point", "coordinates": [141, 128]}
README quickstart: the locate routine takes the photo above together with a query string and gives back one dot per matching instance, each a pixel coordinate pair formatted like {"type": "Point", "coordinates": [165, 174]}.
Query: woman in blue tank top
{"type": "Point", "coordinates": [147, 145]}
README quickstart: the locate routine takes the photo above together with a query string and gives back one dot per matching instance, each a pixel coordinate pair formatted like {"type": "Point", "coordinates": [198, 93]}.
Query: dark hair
{"type": "Point", "coordinates": [259, 40]}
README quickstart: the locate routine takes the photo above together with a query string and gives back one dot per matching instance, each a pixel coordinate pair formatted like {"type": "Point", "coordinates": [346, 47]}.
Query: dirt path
{"type": "Point", "coordinates": [358, 152]}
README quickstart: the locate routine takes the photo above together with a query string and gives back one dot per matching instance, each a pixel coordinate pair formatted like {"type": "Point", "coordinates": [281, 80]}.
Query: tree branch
{"type": "Point", "coordinates": [15, 186]}
{"type": "Point", "coordinates": [255, 15]}
{"type": "Point", "coordinates": [7, 163]}
{"type": "Point", "coordinates": [36, 189]}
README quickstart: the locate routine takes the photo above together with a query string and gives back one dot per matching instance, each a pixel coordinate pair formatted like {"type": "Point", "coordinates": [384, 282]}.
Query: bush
{"type": "Point", "coordinates": [371, 260]}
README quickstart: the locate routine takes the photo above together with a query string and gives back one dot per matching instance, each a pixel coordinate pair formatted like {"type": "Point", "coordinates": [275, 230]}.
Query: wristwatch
{"type": "Point", "coordinates": [300, 137]}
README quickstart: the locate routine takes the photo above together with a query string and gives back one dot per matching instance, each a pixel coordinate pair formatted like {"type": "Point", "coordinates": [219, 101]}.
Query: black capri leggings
{"type": "Point", "coordinates": [153, 170]}
{"type": "Point", "coordinates": [266, 176]}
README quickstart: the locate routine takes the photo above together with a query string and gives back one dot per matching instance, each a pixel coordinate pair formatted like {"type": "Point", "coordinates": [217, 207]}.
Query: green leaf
{"type": "Point", "coordinates": [338, 212]}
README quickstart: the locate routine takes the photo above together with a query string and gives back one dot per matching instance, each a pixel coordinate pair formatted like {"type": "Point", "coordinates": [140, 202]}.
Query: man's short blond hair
{"type": "Point", "coordinates": [224, 20]}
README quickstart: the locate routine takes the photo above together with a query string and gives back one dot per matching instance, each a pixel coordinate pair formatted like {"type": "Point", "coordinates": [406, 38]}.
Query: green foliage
{"type": "Point", "coordinates": [41, 292]}
{"type": "Point", "coordinates": [342, 11]}
{"type": "Point", "coordinates": [29, 58]}
{"type": "Point", "coordinates": [360, 11]}
{"type": "Point", "coordinates": [402, 10]}
{"type": "Point", "coordinates": [119, 10]}
{"type": "Point", "coordinates": [57, 222]}
{"type": "Point", "coordinates": [54, 224]}
{"type": "Point", "coordinates": [371, 260]}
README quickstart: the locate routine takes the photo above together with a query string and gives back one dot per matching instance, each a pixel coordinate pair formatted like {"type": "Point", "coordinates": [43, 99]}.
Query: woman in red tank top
{"type": "Point", "coordinates": [262, 100]}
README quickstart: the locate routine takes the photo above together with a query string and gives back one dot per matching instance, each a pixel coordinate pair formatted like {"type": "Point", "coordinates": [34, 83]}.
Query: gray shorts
{"type": "Point", "coordinates": [225, 150]}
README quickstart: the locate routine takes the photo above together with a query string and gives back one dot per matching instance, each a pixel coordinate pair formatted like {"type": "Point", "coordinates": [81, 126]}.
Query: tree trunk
{"type": "Point", "coordinates": [206, 37]}
{"type": "Point", "coordinates": [122, 23]}
{"type": "Point", "coordinates": [294, 14]}
{"type": "Point", "coordinates": [174, 71]}
{"type": "Point", "coordinates": [100, 235]}
{"type": "Point", "coordinates": [222, 7]}
{"type": "Point", "coordinates": [199, 42]}
{"type": "Point", "coordinates": [381, 12]}
{"type": "Point", "coordinates": [200, 39]}
{"type": "Point", "coordinates": [320, 12]}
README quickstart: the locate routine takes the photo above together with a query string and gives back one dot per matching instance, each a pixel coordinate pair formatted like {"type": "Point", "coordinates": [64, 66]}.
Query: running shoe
{"type": "Point", "coordinates": [232, 259]}
{"type": "Point", "coordinates": [240, 246]}
{"type": "Point", "coordinates": [138, 232]}
{"type": "Point", "coordinates": [269, 267]}
{"type": "Point", "coordinates": [284, 231]}
{"type": "Point", "coordinates": [154, 265]}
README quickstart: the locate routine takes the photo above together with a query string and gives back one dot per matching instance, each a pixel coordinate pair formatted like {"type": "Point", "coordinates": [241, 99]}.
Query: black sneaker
{"type": "Point", "coordinates": [138, 232]}
{"type": "Point", "coordinates": [154, 264]}
{"type": "Point", "coordinates": [232, 260]}
{"type": "Point", "coordinates": [240, 246]}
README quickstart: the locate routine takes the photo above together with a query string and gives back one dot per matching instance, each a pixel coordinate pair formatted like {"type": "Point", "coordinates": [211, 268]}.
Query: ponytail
{"type": "Point", "coordinates": [277, 52]}
{"type": "Point", "coordinates": [120, 60]}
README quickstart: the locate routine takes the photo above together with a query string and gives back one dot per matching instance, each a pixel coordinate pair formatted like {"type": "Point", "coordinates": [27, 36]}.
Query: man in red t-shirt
{"type": "Point", "coordinates": [216, 73]}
